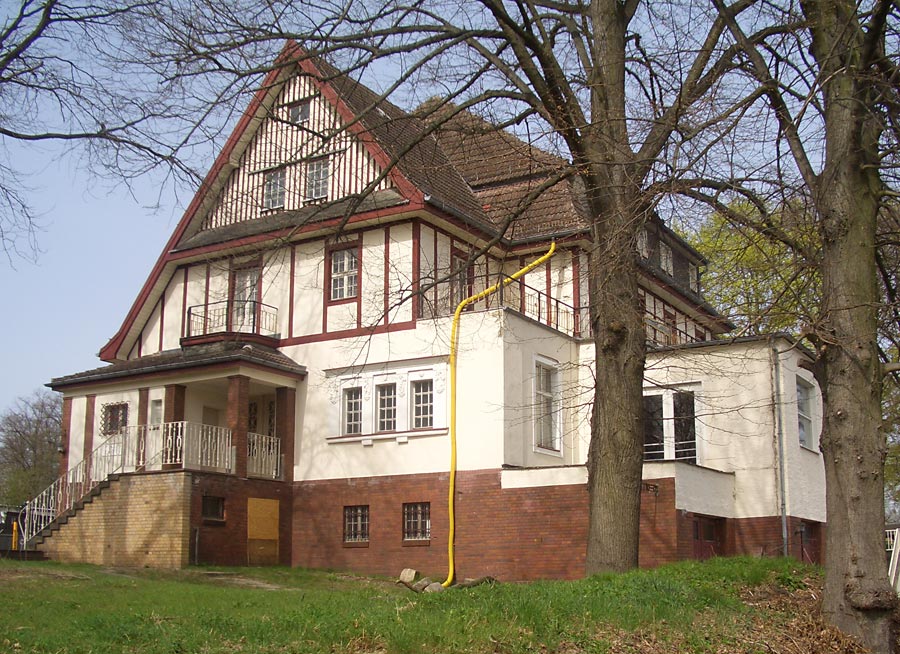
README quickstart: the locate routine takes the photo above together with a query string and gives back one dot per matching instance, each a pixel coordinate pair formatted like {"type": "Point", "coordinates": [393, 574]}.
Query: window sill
{"type": "Point", "coordinates": [356, 544]}
{"type": "Point", "coordinates": [343, 300]}
{"type": "Point", "coordinates": [399, 436]}
{"type": "Point", "coordinates": [809, 449]}
{"type": "Point", "coordinates": [425, 542]}
{"type": "Point", "coordinates": [548, 451]}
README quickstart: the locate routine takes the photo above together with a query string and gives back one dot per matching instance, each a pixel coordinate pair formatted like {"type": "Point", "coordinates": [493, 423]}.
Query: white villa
{"type": "Point", "coordinates": [279, 390]}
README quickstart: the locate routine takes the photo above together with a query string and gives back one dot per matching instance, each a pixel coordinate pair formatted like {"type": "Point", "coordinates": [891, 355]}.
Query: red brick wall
{"type": "Point", "coordinates": [225, 543]}
{"type": "Point", "coordinates": [520, 534]}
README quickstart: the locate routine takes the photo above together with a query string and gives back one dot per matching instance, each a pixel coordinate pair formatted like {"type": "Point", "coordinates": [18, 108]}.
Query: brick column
{"type": "Point", "coordinates": [65, 436]}
{"type": "Point", "coordinates": [285, 404]}
{"type": "Point", "coordinates": [236, 419]}
{"type": "Point", "coordinates": [173, 406]}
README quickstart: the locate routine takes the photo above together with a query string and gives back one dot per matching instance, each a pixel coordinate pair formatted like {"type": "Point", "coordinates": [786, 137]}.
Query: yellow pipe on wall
{"type": "Point", "coordinates": [454, 338]}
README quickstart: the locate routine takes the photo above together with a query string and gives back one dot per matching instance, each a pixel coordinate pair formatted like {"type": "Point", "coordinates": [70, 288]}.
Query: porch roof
{"type": "Point", "coordinates": [194, 356]}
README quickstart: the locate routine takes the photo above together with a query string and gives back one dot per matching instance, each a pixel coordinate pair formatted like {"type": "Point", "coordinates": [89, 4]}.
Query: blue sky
{"type": "Point", "coordinates": [99, 242]}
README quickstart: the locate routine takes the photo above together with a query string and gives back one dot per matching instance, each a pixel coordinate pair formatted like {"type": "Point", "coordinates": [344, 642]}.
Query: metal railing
{"type": "Point", "coordinates": [543, 308]}
{"type": "Point", "coordinates": [229, 316]}
{"type": "Point", "coordinates": [263, 456]}
{"type": "Point", "coordinates": [133, 449]}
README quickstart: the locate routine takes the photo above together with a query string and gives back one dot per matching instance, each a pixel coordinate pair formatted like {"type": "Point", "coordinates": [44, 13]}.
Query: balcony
{"type": "Point", "coordinates": [234, 319]}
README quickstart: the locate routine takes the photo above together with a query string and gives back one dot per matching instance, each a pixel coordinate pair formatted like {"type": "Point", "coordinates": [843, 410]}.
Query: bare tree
{"type": "Point", "coordinates": [30, 434]}
{"type": "Point", "coordinates": [69, 76]}
{"type": "Point", "coordinates": [835, 74]}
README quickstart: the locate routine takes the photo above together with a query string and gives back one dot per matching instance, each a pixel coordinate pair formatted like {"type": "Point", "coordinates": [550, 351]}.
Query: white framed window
{"type": "Point", "coordinates": [417, 521]}
{"type": "Point", "coordinates": [299, 113]}
{"type": "Point", "coordinates": [274, 189]}
{"type": "Point", "coordinates": [352, 411]}
{"type": "Point", "coordinates": [422, 404]}
{"type": "Point", "coordinates": [805, 396]}
{"type": "Point", "coordinates": [317, 175]}
{"type": "Point", "coordinates": [344, 274]}
{"type": "Point", "coordinates": [386, 406]}
{"type": "Point", "coordinates": [643, 244]}
{"type": "Point", "coordinates": [546, 406]}
{"type": "Point", "coordinates": [391, 404]}
{"type": "Point", "coordinates": [670, 425]}
{"type": "Point", "coordinates": [666, 262]}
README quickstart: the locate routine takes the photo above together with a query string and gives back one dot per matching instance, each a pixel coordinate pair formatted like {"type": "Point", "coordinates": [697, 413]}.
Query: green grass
{"type": "Point", "coordinates": [70, 609]}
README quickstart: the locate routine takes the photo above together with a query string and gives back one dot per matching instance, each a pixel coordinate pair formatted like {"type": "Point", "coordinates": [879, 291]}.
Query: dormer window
{"type": "Point", "coordinates": [299, 113]}
{"type": "Point", "coordinates": [665, 259]}
{"type": "Point", "coordinates": [643, 244]}
{"type": "Point", "coordinates": [694, 277]}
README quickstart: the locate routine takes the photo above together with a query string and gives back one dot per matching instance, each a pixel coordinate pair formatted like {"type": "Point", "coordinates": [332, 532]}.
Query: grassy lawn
{"type": "Point", "coordinates": [688, 607]}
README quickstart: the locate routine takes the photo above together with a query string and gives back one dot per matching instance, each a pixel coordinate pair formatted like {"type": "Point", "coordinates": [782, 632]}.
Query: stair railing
{"type": "Point", "coordinates": [117, 453]}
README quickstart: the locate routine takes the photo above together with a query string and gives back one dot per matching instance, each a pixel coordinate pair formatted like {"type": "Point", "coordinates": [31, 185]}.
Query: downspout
{"type": "Point", "coordinates": [454, 339]}
{"type": "Point", "coordinates": [779, 435]}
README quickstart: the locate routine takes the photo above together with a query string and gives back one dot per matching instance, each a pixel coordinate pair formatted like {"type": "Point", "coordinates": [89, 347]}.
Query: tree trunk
{"type": "Point", "coordinates": [615, 456]}
{"type": "Point", "coordinates": [858, 598]}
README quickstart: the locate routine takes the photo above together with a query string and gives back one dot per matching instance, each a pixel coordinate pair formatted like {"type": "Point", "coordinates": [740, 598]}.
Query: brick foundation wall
{"type": "Point", "coordinates": [225, 542]}
{"type": "Point", "coordinates": [139, 520]}
{"type": "Point", "coordinates": [512, 534]}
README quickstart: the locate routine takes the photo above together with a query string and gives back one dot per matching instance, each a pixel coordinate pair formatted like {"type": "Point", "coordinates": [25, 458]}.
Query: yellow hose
{"type": "Point", "coordinates": [454, 338]}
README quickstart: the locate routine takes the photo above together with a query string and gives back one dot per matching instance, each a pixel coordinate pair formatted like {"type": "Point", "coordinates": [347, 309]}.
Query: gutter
{"type": "Point", "coordinates": [779, 437]}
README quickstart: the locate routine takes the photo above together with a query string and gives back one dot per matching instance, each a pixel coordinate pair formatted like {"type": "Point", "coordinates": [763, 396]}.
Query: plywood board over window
{"type": "Point", "coordinates": [262, 531]}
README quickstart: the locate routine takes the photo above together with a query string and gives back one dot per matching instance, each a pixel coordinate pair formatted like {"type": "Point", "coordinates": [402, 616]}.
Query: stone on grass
{"type": "Point", "coordinates": [422, 584]}
{"type": "Point", "coordinates": [408, 575]}
{"type": "Point", "coordinates": [435, 587]}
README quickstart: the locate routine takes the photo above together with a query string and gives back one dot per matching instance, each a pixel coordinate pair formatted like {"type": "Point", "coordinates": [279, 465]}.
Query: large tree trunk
{"type": "Point", "coordinates": [858, 598]}
{"type": "Point", "coordinates": [615, 457]}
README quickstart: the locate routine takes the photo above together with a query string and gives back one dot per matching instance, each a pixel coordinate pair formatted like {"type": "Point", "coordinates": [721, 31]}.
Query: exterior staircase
{"type": "Point", "coordinates": [70, 513]}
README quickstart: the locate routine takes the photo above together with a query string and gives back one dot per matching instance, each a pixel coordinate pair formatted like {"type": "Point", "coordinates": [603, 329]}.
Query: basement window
{"type": "Point", "coordinates": [213, 508]}
{"type": "Point", "coordinates": [356, 524]}
{"type": "Point", "coordinates": [417, 521]}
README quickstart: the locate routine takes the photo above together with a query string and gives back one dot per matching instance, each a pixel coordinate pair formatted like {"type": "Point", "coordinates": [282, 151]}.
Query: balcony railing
{"type": "Point", "coordinates": [232, 316]}
{"type": "Point", "coordinates": [263, 456]}
{"type": "Point", "coordinates": [144, 447]}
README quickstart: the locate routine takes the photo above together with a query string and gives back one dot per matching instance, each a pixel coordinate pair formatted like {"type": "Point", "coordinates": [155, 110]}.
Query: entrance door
{"type": "Point", "coordinates": [262, 531]}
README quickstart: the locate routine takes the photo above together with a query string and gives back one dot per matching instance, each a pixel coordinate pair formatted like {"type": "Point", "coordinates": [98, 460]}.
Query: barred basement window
{"type": "Point", "coordinates": [352, 411]}
{"type": "Point", "coordinates": [356, 524]}
{"type": "Point", "coordinates": [213, 508]}
{"type": "Point", "coordinates": [417, 521]}
{"type": "Point", "coordinates": [423, 404]}
{"type": "Point", "coordinates": [387, 407]}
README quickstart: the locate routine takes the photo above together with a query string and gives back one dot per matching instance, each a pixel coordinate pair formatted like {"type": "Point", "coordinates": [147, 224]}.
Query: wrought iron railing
{"type": "Point", "coordinates": [263, 456]}
{"type": "Point", "coordinates": [230, 316]}
{"type": "Point", "coordinates": [685, 450]}
{"type": "Point", "coordinates": [143, 447]}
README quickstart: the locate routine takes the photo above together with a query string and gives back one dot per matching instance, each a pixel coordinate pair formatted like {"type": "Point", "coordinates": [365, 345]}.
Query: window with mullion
{"type": "Point", "coordinates": [352, 404]}
{"type": "Point", "coordinates": [317, 174]}
{"type": "Point", "coordinates": [344, 274]}
{"type": "Point", "coordinates": [386, 395]}
{"type": "Point", "coordinates": [274, 189]}
{"type": "Point", "coordinates": [546, 407]}
{"type": "Point", "coordinates": [422, 404]}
